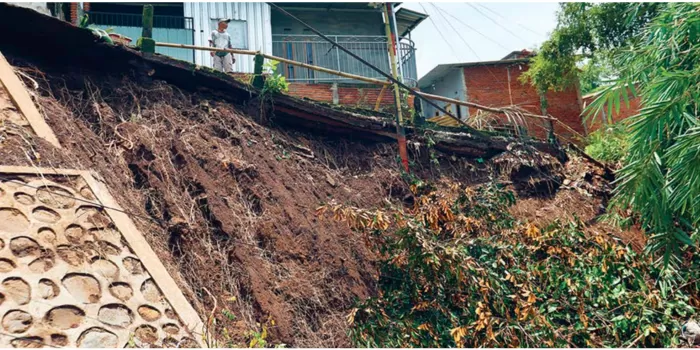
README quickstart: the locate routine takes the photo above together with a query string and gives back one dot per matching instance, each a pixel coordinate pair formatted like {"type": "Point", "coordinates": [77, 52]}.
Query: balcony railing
{"type": "Point", "coordinates": [169, 29]}
{"type": "Point", "coordinates": [311, 49]}
{"type": "Point", "coordinates": [136, 20]}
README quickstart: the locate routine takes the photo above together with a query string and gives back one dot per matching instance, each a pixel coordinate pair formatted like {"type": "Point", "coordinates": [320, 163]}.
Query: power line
{"type": "Point", "coordinates": [472, 28]}
{"type": "Point", "coordinates": [439, 32]}
{"type": "Point", "coordinates": [506, 19]}
{"type": "Point", "coordinates": [457, 32]}
{"type": "Point", "coordinates": [465, 42]}
{"type": "Point", "coordinates": [494, 21]}
{"type": "Point", "coordinates": [376, 69]}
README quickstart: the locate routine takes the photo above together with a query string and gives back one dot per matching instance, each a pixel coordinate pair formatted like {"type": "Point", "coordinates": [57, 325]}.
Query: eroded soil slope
{"type": "Point", "coordinates": [226, 197]}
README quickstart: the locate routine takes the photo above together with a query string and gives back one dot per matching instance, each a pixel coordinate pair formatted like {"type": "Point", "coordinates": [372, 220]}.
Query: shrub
{"type": "Point", "coordinates": [609, 144]}
{"type": "Point", "coordinates": [275, 83]}
{"type": "Point", "coordinates": [458, 270]}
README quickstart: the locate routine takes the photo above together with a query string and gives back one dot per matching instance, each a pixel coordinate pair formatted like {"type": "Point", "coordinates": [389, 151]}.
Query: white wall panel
{"type": "Point", "coordinates": [259, 31]}
{"type": "Point", "coordinates": [36, 6]}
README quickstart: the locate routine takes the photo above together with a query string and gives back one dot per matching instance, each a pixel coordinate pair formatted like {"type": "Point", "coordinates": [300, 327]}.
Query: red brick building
{"type": "Point", "coordinates": [365, 96]}
{"type": "Point", "coordinates": [593, 124]}
{"type": "Point", "coordinates": [497, 84]}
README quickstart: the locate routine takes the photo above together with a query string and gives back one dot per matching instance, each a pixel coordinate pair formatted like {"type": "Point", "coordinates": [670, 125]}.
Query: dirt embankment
{"type": "Point", "coordinates": [227, 197]}
{"type": "Point", "coordinates": [228, 204]}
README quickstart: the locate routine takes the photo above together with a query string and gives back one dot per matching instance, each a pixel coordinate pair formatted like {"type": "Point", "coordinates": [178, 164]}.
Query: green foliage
{"type": "Point", "coordinates": [275, 83]}
{"type": "Point", "coordinates": [102, 34]}
{"type": "Point", "coordinates": [661, 179]}
{"type": "Point", "coordinates": [458, 271]}
{"type": "Point", "coordinates": [586, 32]}
{"type": "Point", "coordinates": [594, 73]}
{"type": "Point", "coordinates": [609, 144]}
{"type": "Point", "coordinates": [83, 21]}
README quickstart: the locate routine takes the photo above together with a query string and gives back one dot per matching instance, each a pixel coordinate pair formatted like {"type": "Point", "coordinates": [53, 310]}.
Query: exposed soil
{"type": "Point", "coordinates": [227, 198]}
{"type": "Point", "coordinates": [228, 204]}
{"type": "Point", "coordinates": [583, 195]}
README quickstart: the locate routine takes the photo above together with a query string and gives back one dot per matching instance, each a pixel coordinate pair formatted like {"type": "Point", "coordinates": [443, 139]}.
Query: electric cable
{"type": "Point", "coordinates": [495, 22]}
{"type": "Point", "coordinates": [472, 28]}
{"type": "Point", "coordinates": [384, 74]}
{"type": "Point", "coordinates": [505, 84]}
{"type": "Point", "coordinates": [440, 32]}
{"type": "Point", "coordinates": [506, 19]}
{"type": "Point", "coordinates": [456, 31]}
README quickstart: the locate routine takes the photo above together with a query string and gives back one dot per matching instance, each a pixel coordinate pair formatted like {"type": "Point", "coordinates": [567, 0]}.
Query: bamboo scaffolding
{"type": "Point", "coordinates": [280, 59]}
{"type": "Point", "coordinates": [501, 110]}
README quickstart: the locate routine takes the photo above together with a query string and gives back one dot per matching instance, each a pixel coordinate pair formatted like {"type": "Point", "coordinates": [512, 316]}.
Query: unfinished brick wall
{"type": "Point", "coordinates": [498, 86]}
{"type": "Point", "coordinates": [594, 124]}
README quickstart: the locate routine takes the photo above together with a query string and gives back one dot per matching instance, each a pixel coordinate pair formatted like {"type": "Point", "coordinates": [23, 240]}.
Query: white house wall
{"type": "Point", "coordinates": [256, 15]}
{"type": "Point", "coordinates": [36, 6]}
{"type": "Point", "coordinates": [450, 85]}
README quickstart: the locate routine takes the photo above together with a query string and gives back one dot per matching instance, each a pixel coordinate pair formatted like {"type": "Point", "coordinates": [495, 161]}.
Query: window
{"type": "Point", "coordinates": [237, 29]}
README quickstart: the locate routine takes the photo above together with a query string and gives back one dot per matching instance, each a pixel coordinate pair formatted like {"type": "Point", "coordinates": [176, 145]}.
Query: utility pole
{"type": "Point", "coordinates": [391, 44]}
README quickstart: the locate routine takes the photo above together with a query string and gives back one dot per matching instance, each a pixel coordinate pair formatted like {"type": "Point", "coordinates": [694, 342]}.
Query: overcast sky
{"type": "Point", "coordinates": [518, 26]}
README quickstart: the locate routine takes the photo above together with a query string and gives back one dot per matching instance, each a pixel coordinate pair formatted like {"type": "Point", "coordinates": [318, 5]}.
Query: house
{"type": "Point", "coordinates": [497, 84]}
{"type": "Point", "coordinates": [358, 27]}
{"type": "Point", "coordinates": [255, 26]}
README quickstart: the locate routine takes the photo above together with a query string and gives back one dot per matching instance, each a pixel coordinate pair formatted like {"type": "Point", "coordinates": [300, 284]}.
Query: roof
{"type": "Point", "coordinates": [524, 53]}
{"type": "Point", "coordinates": [442, 69]}
{"type": "Point", "coordinates": [407, 20]}
{"type": "Point", "coordinates": [329, 5]}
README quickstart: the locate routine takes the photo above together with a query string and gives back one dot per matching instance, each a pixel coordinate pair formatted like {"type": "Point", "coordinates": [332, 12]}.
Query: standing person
{"type": "Point", "coordinates": [220, 38]}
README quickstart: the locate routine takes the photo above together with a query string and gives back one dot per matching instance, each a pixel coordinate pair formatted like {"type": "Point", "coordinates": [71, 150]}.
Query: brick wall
{"type": "Point", "coordinates": [594, 124]}
{"type": "Point", "coordinates": [353, 96]}
{"type": "Point", "coordinates": [491, 86]}
{"type": "Point", "coordinates": [74, 11]}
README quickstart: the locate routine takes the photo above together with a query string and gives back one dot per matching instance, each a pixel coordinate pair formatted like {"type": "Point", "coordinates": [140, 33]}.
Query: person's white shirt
{"type": "Point", "coordinates": [221, 40]}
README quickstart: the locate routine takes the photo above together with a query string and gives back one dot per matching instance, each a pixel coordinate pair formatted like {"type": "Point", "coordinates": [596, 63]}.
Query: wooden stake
{"type": "Point", "coordinates": [148, 45]}
{"type": "Point", "coordinates": [258, 81]}
{"type": "Point", "coordinates": [24, 103]}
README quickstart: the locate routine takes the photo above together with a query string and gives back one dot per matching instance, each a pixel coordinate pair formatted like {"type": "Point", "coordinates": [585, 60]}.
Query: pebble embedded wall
{"type": "Point", "coordinates": [68, 277]}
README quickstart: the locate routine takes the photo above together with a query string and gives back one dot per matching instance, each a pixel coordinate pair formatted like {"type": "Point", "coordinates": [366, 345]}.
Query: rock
{"type": "Point", "coordinates": [691, 332]}
{"type": "Point", "coordinates": [330, 180]}
{"type": "Point", "coordinates": [567, 182]}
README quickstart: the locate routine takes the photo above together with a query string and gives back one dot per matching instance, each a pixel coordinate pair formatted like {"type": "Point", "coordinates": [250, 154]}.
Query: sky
{"type": "Point", "coordinates": [517, 26]}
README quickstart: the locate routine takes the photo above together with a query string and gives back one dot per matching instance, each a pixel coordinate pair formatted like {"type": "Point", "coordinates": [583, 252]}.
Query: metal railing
{"type": "Point", "coordinates": [136, 20]}
{"type": "Point", "coordinates": [169, 29]}
{"type": "Point", "coordinates": [314, 50]}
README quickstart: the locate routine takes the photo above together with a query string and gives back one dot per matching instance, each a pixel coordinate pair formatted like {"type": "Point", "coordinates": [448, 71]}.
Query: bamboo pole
{"type": "Point", "coordinates": [391, 39]}
{"type": "Point", "coordinates": [478, 106]}
{"type": "Point", "coordinates": [352, 76]}
{"type": "Point", "coordinates": [280, 59]}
